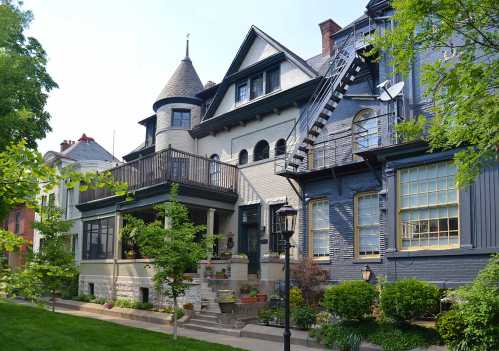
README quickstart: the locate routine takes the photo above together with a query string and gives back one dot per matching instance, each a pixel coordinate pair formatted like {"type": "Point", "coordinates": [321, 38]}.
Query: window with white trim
{"type": "Point", "coordinates": [428, 207]}
{"type": "Point", "coordinates": [367, 225]}
{"type": "Point", "coordinates": [318, 220]}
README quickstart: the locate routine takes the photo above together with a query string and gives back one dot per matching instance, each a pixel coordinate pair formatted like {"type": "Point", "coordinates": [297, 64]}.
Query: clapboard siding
{"type": "Point", "coordinates": [479, 216]}
{"type": "Point", "coordinates": [485, 210]}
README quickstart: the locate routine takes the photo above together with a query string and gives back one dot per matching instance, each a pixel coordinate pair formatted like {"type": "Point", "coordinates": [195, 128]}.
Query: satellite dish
{"type": "Point", "coordinates": [391, 92]}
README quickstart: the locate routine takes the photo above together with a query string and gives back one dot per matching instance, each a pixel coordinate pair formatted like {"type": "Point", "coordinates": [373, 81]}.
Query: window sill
{"type": "Point", "coordinates": [322, 260]}
{"type": "Point", "coordinates": [447, 252]}
{"type": "Point", "coordinates": [367, 260]}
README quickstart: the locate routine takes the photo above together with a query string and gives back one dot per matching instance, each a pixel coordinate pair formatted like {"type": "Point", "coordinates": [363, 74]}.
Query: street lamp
{"type": "Point", "coordinates": [287, 221]}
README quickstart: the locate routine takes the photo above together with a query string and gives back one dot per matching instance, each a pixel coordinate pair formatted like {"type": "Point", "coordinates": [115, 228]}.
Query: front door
{"type": "Point", "coordinates": [249, 235]}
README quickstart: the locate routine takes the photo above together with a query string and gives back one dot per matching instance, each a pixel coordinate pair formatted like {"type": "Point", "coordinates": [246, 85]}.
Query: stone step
{"type": "Point", "coordinates": [204, 323]}
{"type": "Point", "coordinates": [206, 317]}
{"type": "Point", "coordinates": [213, 330]}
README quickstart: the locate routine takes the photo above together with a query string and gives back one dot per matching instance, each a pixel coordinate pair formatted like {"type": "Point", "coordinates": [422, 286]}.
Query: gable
{"type": "Point", "coordinates": [259, 50]}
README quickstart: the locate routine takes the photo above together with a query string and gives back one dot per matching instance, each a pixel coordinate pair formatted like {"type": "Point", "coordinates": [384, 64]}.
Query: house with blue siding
{"type": "Point", "coordinates": [371, 200]}
{"type": "Point", "coordinates": [319, 134]}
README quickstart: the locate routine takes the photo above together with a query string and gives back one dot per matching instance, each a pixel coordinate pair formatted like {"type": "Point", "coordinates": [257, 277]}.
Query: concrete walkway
{"type": "Point", "coordinates": [241, 342]}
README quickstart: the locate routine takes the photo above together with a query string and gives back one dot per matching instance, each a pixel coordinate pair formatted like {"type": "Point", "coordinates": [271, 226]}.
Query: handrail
{"type": "Point", "coordinates": [317, 91]}
{"type": "Point", "coordinates": [171, 165]}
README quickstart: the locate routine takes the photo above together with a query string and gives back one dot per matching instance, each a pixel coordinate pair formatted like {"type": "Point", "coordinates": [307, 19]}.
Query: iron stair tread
{"type": "Point", "coordinates": [299, 157]}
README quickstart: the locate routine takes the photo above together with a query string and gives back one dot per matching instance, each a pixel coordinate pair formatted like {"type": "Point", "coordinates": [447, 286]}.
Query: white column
{"type": "Point", "coordinates": [210, 226]}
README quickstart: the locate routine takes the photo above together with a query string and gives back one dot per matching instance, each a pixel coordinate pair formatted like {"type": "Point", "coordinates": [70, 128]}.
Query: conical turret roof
{"type": "Point", "coordinates": [184, 82]}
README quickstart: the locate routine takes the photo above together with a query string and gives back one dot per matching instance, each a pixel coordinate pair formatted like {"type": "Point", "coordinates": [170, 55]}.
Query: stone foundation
{"type": "Point", "coordinates": [130, 288]}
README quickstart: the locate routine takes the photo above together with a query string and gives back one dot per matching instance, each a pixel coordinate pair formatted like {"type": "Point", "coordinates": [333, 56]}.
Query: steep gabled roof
{"type": "Point", "coordinates": [253, 33]}
{"type": "Point", "coordinates": [85, 149]}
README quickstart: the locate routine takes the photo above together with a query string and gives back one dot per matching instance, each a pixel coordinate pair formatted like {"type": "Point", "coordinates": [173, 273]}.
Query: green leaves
{"type": "Point", "coordinates": [457, 44]}
{"type": "Point", "coordinates": [174, 248]}
{"type": "Point", "coordinates": [24, 80]}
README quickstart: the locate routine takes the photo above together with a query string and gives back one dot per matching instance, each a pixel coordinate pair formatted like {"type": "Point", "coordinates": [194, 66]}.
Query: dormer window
{"type": "Point", "coordinates": [242, 92]}
{"type": "Point", "coordinates": [256, 86]}
{"type": "Point", "coordinates": [181, 119]}
{"type": "Point", "coordinates": [273, 80]}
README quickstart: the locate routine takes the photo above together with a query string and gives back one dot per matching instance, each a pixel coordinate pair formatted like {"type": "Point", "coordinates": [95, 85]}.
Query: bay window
{"type": "Point", "coordinates": [428, 207]}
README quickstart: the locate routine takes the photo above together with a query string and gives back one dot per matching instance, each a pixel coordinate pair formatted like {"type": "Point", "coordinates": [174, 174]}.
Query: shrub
{"type": "Point", "coordinates": [347, 341]}
{"type": "Point", "coordinates": [304, 317]}
{"type": "Point", "coordinates": [323, 318]}
{"type": "Point", "coordinates": [84, 298]}
{"type": "Point", "coordinates": [473, 322]}
{"type": "Point", "coordinates": [450, 326]}
{"type": "Point", "coordinates": [407, 299]}
{"type": "Point", "coordinates": [124, 303]}
{"type": "Point", "coordinates": [295, 297]}
{"type": "Point", "coordinates": [265, 315]}
{"type": "Point", "coordinates": [351, 299]}
{"type": "Point", "coordinates": [307, 276]}
{"type": "Point", "coordinates": [143, 305]}
{"type": "Point", "coordinates": [390, 336]}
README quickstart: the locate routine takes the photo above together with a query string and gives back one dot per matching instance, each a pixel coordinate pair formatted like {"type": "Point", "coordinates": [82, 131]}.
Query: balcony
{"type": "Point", "coordinates": [171, 166]}
{"type": "Point", "coordinates": [348, 146]}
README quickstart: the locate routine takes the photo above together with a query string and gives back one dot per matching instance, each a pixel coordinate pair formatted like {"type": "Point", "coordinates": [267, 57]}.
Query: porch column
{"type": "Point", "coordinates": [210, 226]}
{"type": "Point", "coordinates": [118, 224]}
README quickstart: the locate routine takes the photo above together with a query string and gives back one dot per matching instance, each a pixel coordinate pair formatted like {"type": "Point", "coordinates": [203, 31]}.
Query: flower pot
{"type": "Point", "coordinates": [260, 297]}
{"type": "Point", "coordinates": [248, 299]}
{"type": "Point", "coordinates": [227, 307]}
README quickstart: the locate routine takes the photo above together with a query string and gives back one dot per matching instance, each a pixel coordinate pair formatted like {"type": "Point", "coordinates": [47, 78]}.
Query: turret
{"type": "Point", "coordinates": [177, 108]}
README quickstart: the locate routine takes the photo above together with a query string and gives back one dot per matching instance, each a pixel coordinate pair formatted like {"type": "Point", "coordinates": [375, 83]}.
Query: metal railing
{"type": "Point", "coordinates": [174, 166]}
{"type": "Point", "coordinates": [341, 147]}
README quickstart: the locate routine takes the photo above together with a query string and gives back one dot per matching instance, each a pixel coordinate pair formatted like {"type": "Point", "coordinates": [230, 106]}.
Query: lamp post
{"type": "Point", "coordinates": [287, 221]}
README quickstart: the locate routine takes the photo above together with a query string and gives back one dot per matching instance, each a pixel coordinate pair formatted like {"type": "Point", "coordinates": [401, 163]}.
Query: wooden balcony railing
{"type": "Point", "coordinates": [174, 166]}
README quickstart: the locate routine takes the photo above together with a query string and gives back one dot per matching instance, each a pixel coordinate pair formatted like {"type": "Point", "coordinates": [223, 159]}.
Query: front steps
{"type": "Point", "coordinates": [208, 322]}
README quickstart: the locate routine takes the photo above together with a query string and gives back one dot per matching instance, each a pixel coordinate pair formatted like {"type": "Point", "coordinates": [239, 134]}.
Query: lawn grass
{"type": "Point", "coordinates": [25, 328]}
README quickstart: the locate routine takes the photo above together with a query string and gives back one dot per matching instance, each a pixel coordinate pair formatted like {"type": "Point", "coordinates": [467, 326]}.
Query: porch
{"type": "Point", "coordinates": [171, 166]}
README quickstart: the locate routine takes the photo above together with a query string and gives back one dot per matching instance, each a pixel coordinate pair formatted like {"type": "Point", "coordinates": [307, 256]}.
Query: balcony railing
{"type": "Point", "coordinates": [341, 148]}
{"type": "Point", "coordinates": [174, 166]}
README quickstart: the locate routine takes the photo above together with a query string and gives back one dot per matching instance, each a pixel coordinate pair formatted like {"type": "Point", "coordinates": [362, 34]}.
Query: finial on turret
{"type": "Point", "coordinates": [187, 45]}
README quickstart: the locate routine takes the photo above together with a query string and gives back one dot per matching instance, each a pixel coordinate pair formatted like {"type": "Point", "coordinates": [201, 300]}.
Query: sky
{"type": "Point", "coordinates": [111, 58]}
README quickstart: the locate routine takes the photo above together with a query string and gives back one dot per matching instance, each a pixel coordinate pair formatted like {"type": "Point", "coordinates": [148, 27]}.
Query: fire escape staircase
{"type": "Point", "coordinates": [344, 66]}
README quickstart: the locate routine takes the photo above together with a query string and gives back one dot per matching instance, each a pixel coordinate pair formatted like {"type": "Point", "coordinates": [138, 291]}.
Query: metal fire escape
{"type": "Point", "coordinates": [333, 85]}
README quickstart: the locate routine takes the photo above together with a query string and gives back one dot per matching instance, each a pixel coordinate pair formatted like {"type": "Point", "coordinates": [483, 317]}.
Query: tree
{"type": "Point", "coordinates": [24, 175]}
{"type": "Point", "coordinates": [9, 242]}
{"type": "Point", "coordinates": [52, 267]}
{"type": "Point", "coordinates": [24, 81]}
{"type": "Point", "coordinates": [173, 248]}
{"type": "Point", "coordinates": [463, 82]}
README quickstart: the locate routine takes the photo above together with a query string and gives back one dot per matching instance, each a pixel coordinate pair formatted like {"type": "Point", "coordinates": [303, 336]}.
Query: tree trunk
{"type": "Point", "coordinates": [174, 318]}
{"type": "Point", "coordinates": [53, 300]}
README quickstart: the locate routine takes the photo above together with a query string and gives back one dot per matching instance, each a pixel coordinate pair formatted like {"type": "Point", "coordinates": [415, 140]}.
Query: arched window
{"type": "Point", "coordinates": [280, 147]}
{"type": "Point", "coordinates": [214, 169]}
{"type": "Point", "coordinates": [243, 157]}
{"type": "Point", "coordinates": [365, 130]}
{"type": "Point", "coordinates": [261, 151]}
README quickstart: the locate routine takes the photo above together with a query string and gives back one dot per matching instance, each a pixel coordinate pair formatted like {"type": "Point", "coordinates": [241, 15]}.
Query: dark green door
{"type": "Point", "coordinates": [249, 235]}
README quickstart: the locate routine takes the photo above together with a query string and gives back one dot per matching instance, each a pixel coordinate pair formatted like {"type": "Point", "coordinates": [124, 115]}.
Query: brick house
{"type": "Point", "coordinates": [19, 221]}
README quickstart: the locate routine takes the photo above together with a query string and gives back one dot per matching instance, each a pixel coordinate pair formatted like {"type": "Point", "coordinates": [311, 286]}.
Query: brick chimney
{"type": "Point", "coordinates": [65, 144]}
{"type": "Point", "coordinates": [328, 28]}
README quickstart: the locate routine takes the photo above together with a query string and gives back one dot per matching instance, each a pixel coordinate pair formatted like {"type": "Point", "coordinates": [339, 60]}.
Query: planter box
{"type": "Point", "coordinates": [227, 307]}
{"type": "Point", "coordinates": [261, 297]}
{"type": "Point", "coordinates": [249, 299]}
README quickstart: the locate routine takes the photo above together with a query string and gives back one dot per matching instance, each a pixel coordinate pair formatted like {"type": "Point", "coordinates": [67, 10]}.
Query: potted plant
{"type": "Point", "coordinates": [226, 255]}
{"type": "Point", "coordinates": [251, 297]}
{"type": "Point", "coordinates": [261, 297]}
{"type": "Point", "coordinates": [226, 300]}
{"type": "Point", "coordinates": [109, 304]}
